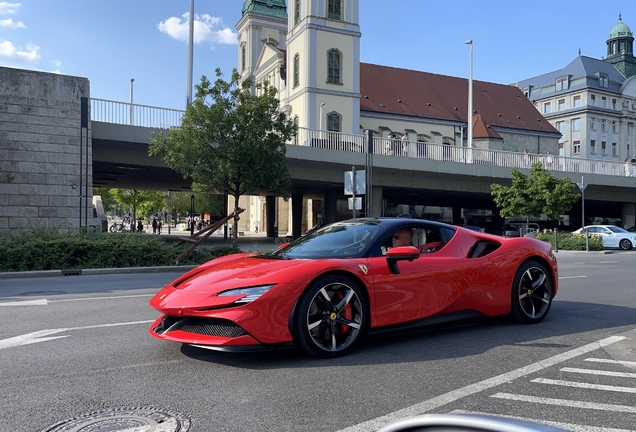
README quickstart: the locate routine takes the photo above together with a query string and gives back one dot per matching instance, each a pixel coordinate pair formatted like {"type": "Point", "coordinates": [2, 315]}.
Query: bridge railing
{"type": "Point", "coordinates": [108, 111]}
{"type": "Point", "coordinates": [451, 153]}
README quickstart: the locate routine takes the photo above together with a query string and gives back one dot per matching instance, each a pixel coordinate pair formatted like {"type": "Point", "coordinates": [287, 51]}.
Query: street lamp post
{"type": "Point", "coordinates": [582, 187]}
{"type": "Point", "coordinates": [320, 120]}
{"type": "Point", "coordinates": [190, 54]}
{"type": "Point", "coordinates": [132, 80]}
{"type": "Point", "coordinates": [469, 117]}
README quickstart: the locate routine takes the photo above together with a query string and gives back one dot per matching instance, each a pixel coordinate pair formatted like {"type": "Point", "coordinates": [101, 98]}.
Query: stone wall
{"type": "Point", "coordinates": [41, 140]}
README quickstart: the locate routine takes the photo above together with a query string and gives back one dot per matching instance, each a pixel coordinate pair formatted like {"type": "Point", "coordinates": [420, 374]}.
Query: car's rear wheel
{"type": "Point", "coordinates": [331, 316]}
{"type": "Point", "coordinates": [625, 244]}
{"type": "Point", "coordinates": [531, 293]}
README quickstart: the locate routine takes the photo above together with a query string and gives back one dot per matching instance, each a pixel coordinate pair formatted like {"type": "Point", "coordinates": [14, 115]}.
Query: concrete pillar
{"type": "Point", "coordinates": [457, 216]}
{"type": "Point", "coordinates": [376, 205]}
{"type": "Point", "coordinates": [297, 214]}
{"type": "Point", "coordinates": [628, 215]}
{"type": "Point", "coordinates": [331, 197]}
{"type": "Point", "coordinates": [270, 214]}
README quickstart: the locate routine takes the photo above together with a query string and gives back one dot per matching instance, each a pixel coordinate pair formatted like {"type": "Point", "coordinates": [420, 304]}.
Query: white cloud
{"type": "Point", "coordinates": [7, 49]}
{"type": "Point", "coordinates": [11, 24]}
{"type": "Point", "coordinates": [206, 29]}
{"type": "Point", "coordinates": [7, 8]}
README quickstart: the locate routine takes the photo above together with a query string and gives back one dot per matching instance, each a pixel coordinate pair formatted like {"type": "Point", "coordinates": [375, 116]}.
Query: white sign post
{"type": "Point", "coordinates": [355, 184]}
{"type": "Point", "coordinates": [582, 187]}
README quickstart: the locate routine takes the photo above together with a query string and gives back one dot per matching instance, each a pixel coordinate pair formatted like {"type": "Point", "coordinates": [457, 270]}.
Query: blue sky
{"type": "Point", "coordinates": [112, 41]}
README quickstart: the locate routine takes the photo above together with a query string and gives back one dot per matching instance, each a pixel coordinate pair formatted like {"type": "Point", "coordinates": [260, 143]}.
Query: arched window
{"type": "Point", "coordinates": [296, 70]}
{"type": "Point", "coordinates": [334, 67]}
{"type": "Point", "coordinates": [243, 58]}
{"type": "Point", "coordinates": [334, 10]}
{"type": "Point", "coordinates": [333, 122]}
{"type": "Point", "coordinates": [296, 12]}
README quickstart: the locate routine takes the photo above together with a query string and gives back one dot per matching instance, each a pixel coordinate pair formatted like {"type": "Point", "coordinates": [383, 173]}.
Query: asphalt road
{"type": "Point", "coordinates": [78, 344]}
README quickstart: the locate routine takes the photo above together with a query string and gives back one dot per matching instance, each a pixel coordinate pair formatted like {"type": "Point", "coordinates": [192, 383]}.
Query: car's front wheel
{"type": "Point", "coordinates": [625, 244]}
{"type": "Point", "coordinates": [331, 316]}
{"type": "Point", "coordinates": [531, 293]}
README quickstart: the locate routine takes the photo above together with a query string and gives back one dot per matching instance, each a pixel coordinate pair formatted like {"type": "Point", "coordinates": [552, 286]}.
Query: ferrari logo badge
{"type": "Point", "coordinates": [364, 268]}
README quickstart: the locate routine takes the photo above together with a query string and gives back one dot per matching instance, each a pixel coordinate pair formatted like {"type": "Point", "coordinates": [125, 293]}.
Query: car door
{"type": "Point", "coordinates": [423, 287]}
{"type": "Point", "coordinates": [610, 239]}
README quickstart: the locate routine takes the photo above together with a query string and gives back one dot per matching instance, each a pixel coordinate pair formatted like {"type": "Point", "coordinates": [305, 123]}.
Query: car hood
{"type": "Point", "coordinates": [200, 286]}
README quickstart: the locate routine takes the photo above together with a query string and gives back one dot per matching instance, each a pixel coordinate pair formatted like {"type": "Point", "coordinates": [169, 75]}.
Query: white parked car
{"type": "Point", "coordinates": [613, 236]}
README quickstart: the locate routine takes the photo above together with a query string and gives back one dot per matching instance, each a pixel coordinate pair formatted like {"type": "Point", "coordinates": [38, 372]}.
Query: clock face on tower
{"type": "Point", "coordinates": [270, 3]}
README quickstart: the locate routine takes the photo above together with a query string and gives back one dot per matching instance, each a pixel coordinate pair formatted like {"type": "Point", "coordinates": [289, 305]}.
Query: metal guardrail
{"type": "Point", "coordinates": [147, 116]}
{"type": "Point", "coordinates": [124, 113]}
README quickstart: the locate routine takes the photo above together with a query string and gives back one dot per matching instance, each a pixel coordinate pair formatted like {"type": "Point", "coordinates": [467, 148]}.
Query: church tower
{"type": "Point", "coordinates": [620, 49]}
{"type": "Point", "coordinates": [323, 64]}
{"type": "Point", "coordinates": [262, 21]}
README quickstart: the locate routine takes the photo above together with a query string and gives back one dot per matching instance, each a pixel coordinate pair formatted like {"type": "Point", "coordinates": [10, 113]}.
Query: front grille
{"type": "Point", "coordinates": [210, 327]}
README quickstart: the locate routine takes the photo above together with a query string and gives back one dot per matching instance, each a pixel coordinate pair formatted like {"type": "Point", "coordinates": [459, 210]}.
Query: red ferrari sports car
{"type": "Point", "coordinates": [324, 291]}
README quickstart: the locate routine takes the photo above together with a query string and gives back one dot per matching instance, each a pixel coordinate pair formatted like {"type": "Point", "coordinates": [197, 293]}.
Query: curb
{"type": "Point", "coordinates": [93, 272]}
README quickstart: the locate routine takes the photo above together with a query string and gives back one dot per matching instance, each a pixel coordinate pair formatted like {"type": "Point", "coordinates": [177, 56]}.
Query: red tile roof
{"type": "Point", "coordinates": [482, 130]}
{"type": "Point", "coordinates": [426, 95]}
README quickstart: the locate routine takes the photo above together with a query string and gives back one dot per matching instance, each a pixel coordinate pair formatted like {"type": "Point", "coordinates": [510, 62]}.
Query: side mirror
{"type": "Point", "coordinates": [400, 253]}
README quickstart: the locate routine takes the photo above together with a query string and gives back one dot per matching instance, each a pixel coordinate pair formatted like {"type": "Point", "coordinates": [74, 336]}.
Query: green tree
{"type": "Point", "coordinates": [230, 140]}
{"type": "Point", "coordinates": [133, 199]}
{"type": "Point", "coordinates": [534, 195]}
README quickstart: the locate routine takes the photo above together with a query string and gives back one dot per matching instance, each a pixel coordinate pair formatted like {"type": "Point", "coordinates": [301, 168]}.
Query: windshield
{"type": "Point", "coordinates": [338, 240]}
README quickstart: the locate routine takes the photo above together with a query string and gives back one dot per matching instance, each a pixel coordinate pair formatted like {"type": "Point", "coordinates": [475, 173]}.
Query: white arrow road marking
{"type": "Point", "coordinates": [39, 302]}
{"type": "Point", "coordinates": [44, 302]}
{"type": "Point", "coordinates": [29, 338]}
{"type": "Point", "coordinates": [41, 336]}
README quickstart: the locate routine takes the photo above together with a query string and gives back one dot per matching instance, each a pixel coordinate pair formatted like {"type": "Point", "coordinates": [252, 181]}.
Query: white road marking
{"type": "Point", "coordinates": [566, 426]}
{"type": "Point", "coordinates": [452, 396]}
{"type": "Point", "coordinates": [42, 335]}
{"type": "Point", "coordinates": [572, 277]}
{"type": "Point", "coordinates": [599, 372]}
{"type": "Point", "coordinates": [585, 385]}
{"type": "Point", "coordinates": [622, 362]}
{"type": "Point", "coordinates": [44, 302]}
{"type": "Point", "coordinates": [566, 402]}
{"type": "Point", "coordinates": [39, 302]}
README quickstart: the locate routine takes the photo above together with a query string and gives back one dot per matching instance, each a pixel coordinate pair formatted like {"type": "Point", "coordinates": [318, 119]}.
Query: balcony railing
{"type": "Point", "coordinates": [147, 116]}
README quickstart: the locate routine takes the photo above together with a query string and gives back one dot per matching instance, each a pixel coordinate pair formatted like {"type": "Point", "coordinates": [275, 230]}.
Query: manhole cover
{"type": "Point", "coordinates": [124, 419]}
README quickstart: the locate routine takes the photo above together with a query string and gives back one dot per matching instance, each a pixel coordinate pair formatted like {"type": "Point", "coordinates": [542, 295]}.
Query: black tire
{"type": "Point", "coordinates": [532, 292]}
{"type": "Point", "coordinates": [113, 228]}
{"type": "Point", "coordinates": [331, 317]}
{"type": "Point", "coordinates": [625, 244]}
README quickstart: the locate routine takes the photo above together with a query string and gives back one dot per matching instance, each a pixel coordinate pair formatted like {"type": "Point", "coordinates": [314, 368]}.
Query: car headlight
{"type": "Point", "coordinates": [250, 293]}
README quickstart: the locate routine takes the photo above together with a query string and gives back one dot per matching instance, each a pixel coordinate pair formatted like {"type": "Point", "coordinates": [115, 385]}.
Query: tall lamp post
{"type": "Point", "coordinates": [582, 187]}
{"type": "Point", "coordinates": [320, 120]}
{"type": "Point", "coordinates": [469, 117]}
{"type": "Point", "coordinates": [132, 80]}
{"type": "Point", "coordinates": [190, 54]}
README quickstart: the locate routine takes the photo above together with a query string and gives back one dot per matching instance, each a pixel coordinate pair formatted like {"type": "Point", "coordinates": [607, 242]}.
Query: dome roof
{"type": "Point", "coordinates": [620, 30]}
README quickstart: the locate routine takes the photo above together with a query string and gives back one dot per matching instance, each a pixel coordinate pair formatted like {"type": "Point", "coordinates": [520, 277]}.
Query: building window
{"type": "Point", "coordinates": [613, 103]}
{"type": "Point", "coordinates": [243, 58]}
{"type": "Point", "coordinates": [333, 10]}
{"type": "Point", "coordinates": [546, 108]}
{"type": "Point", "coordinates": [576, 147]}
{"type": "Point", "coordinates": [603, 81]}
{"type": "Point", "coordinates": [614, 150]}
{"type": "Point", "coordinates": [614, 127]}
{"type": "Point", "coordinates": [603, 102]}
{"type": "Point", "coordinates": [560, 126]}
{"type": "Point", "coordinates": [603, 148]}
{"type": "Point", "coordinates": [593, 146]}
{"type": "Point", "coordinates": [576, 101]}
{"type": "Point", "coordinates": [561, 105]}
{"type": "Point", "coordinates": [333, 122]}
{"type": "Point", "coordinates": [603, 125]}
{"type": "Point", "coordinates": [333, 74]}
{"type": "Point", "coordinates": [576, 124]}
{"type": "Point", "coordinates": [296, 70]}
{"type": "Point", "coordinates": [592, 123]}
{"type": "Point", "coordinates": [562, 83]}
{"type": "Point", "coordinates": [296, 12]}
{"type": "Point", "coordinates": [593, 100]}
